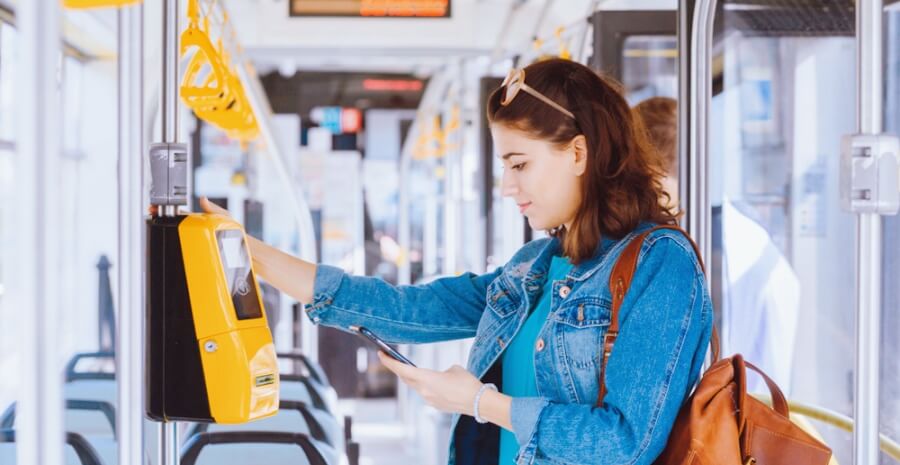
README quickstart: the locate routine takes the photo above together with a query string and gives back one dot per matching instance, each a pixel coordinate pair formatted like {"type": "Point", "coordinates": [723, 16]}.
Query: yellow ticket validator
{"type": "Point", "coordinates": [210, 355]}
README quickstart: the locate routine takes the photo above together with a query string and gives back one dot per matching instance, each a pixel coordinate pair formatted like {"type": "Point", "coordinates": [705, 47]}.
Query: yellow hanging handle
{"type": "Point", "coordinates": [210, 86]}
{"type": "Point", "coordinates": [85, 4]}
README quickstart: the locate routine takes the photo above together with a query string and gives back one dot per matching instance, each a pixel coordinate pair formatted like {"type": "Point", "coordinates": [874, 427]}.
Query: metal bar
{"type": "Point", "coordinates": [870, 66]}
{"type": "Point", "coordinates": [869, 241]}
{"type": "Point", "coordinates": [40, 425]}
{"type": "Point", "coordinates": [169, 68]}
{"type": "Point", "coordinates": [685, 72]}
{"type": "Point", "coordinates": [699, 209]}
{"type": "Point", "coordinates": [168, 431]}
{"type": "Point", "coordinates": [868, 332]}
{"type": "Point", "coordinates": [131, 246]}
{"type": "Point", "coordinates": [404, 271]}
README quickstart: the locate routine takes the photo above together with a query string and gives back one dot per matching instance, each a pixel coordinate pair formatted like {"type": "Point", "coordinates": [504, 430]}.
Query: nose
{"type": "Point", "coordinates": [508, 185]}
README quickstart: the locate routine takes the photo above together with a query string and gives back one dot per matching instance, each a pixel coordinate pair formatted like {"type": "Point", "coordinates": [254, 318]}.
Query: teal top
{"type": "Point", "coordinates": [518, 359]}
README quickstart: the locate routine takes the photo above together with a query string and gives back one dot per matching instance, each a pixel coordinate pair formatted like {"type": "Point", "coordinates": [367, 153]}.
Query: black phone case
{"type": "Point", "coordinates": [373, 341]}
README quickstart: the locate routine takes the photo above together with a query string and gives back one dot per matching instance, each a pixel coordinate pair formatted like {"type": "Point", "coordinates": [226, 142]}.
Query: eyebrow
{"type": "Point", "coordinates": [510, 154]}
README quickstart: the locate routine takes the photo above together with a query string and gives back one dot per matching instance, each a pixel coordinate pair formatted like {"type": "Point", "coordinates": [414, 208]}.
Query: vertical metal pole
{"type": "Point", "coordinates": [168, 431]}
{"type": "Point", "coordinates": [404, 271]}
{"type": "Point", "coordinates": [169, 82]}
{"type": "Point", "coordinates": [429, 231]}
{"type": "Point", "coordinates": [685, 74]}
{"type": "Point", "coordinates": [130, 301]}
{"type": "Point", "coordinates": [699, 209]}
{"type": "Point", "coordinates": [869, 240]}
{"type": "Point", "coordinates": [39, 418]}
{"type": "Point", "coordinates": [451, 199]}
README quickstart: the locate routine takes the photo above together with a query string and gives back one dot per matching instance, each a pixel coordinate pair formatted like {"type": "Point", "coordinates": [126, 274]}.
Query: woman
{"type": "Point", "coordinates": [579, 166]}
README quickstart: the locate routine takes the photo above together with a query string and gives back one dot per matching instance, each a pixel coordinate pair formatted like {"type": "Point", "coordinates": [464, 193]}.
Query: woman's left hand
{"type": "Point", "coordinates": [452, 390]}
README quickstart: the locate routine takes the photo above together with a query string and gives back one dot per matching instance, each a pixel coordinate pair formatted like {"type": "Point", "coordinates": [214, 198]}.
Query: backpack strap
{"type": "Point", "coordinates": [619, 282]}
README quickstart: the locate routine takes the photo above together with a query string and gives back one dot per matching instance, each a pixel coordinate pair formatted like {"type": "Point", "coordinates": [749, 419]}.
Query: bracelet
{"type": "Point", "coordinates": [478, 399]}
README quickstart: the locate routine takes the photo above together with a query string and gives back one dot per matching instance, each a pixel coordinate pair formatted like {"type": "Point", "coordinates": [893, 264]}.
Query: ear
{"type": "Point", "coordinates": [579, 147]}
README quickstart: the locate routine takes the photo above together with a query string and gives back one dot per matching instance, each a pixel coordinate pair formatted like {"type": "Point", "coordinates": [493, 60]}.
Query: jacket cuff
{"type": "Point", "coordinates": [328, 280]}
{"type": "Point", "coordinates": [525, 412]}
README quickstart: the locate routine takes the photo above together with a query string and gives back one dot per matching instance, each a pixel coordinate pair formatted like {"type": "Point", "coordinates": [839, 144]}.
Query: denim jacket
{"type": "Point", "coordinates": [665, 326]}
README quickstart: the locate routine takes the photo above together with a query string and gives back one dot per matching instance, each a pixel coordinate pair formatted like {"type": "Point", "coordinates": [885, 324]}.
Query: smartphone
{"type": "Point", "coordinates": [379, 344]}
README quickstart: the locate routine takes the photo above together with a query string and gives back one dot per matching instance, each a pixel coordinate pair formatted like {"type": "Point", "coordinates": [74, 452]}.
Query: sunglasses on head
{"type": "Point", "coordinates": [515, 81]}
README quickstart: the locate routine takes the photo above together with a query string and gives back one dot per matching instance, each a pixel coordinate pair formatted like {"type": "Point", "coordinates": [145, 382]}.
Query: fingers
{"type": "Point", "coordinates": [410, 375]}
{"type": "Point", "coordinates": [206, 205]}
{"type": "Point", "coordinates": [210, 207]}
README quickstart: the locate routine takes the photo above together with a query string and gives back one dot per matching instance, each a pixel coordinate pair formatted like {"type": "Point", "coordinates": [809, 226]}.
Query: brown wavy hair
{"type": "Point", "coordinates": [660, 117]}
{"type": "Point", "coordinates": [621, 186]}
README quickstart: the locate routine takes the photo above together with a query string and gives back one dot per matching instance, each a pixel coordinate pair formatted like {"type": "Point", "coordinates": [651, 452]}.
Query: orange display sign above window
{"type": "Point", "coordinates": [372, 8]}
{"type": "Point", "coordinates": [392, 85]}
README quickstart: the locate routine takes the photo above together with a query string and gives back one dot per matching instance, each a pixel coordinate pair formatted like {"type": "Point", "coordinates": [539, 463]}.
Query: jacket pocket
{"type": "Point", "coordinates": [584, 312]}
{"type": "Point", "coordinates": [501, 298]}
{"type": "Point", "coordinates": [581, 325]}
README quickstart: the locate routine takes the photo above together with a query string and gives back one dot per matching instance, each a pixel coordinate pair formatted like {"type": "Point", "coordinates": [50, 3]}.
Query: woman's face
{"type": "Point", "coordinates": [541, 177]}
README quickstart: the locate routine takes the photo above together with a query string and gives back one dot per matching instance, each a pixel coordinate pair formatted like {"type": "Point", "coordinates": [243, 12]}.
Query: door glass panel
{"type": "Point", "coordinates": [10, 326]}
{"type": "Point", "coordinates": [890, 321]}
{"type": "Point", "coordinates": [650, 67]}
{"type": "Point", "coordinates": [783, 257]}
{"type": "Point", "coordinates": [8, 47]}
{"type": "Point", "coordinates": [9, 357]}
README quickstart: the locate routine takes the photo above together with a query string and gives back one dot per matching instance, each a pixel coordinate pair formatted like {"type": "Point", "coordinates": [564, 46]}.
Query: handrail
{"type": "Point", "coordinates": [314, 395]}
{"type": "Point", "coordinates": [830, 417]}
{"type": "Point", "coordinates": [316, 431]}
{"type": "Point", "coordinates": [106, 408]}
{"type": "Point", "coordinates": [8, 420]}
{"type": "Point", "coordinates": [72, 375]}
{"type": "Point", "coordinates": [196, 443]}
{"type": "Point", "coordinates": [86, 453]}
{"type": "Point", "coordinates": [315, 372]}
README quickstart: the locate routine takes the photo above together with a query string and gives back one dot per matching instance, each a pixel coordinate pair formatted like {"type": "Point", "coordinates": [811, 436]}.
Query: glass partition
{"type": "Point", "coordinates": [783, 250]}
{"type": "Point", "coordinates": [890, 320]}
{"type": "Point", "coordinates": [650, 67]}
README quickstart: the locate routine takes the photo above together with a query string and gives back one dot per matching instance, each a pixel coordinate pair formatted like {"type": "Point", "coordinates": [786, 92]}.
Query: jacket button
{"type": "Point", "coordinates": [564, 291]}
{"type": "Point", "coordinates": [539, 346]}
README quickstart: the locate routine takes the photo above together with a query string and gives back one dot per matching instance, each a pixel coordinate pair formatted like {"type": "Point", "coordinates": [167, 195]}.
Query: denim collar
{"type": "Point", "coordinates": [534, 278]}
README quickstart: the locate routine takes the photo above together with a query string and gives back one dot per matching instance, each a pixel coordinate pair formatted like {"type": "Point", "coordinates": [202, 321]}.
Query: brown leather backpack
{"type": "Point", "coordinates": [719, 424]}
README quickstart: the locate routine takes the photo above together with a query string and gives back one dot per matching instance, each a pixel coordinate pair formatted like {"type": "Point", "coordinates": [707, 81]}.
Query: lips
{"type": "Point", "coordinates": [523, 206]}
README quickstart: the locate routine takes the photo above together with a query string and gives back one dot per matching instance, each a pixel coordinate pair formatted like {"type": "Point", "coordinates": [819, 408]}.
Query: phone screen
{"type": "Point", "coordinates": [379, 344]}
